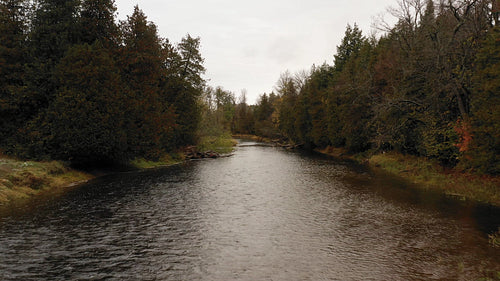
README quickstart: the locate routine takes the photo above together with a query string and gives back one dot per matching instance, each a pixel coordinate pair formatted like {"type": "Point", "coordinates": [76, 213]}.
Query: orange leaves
{"type": "Point", "coordinates": [463, 130]}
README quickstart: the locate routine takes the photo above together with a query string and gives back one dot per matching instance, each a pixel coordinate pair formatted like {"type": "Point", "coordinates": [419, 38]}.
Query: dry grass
{"type": "Point", "coordinates": [20, 180]}
{"type": "Point", "coordinates": [220, 144]}
{"type": "Point", "coordinates": [166, 160]}
{"type": "Point", "coordinates": [429, 174]}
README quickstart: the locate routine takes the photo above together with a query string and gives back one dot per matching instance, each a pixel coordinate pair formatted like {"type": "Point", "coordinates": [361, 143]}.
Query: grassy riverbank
{"type": "Point", "coordinates": [24, 180]}
{"type": "Point", "coordinates": [423, 172]}
{"type": "Point", "coordinates": [166, 160]}
{"type": "Point", "coordinates": [426, 173]}
{"type": "Point", "coordinates": [221, 144]}
{"type": "Point", "coordinates": [252, 137]}
{"type": "Point", "coordinates": [429, 174]}
{"type": "Point", "coordinates": [21, 180]}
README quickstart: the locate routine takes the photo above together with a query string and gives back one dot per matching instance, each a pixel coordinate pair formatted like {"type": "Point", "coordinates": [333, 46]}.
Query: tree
{"type": "Point", "coordinates": [191, 63]}
{"type": "Point", "coordinates": [351, 43]}
{"type": "Point", "coordinates": [97, 22]}
{"type": "Point", "coordinates": [85, 122]}
{"type": "Point", "coordinates": [142, 67]}
{"type": "Point", "coordinates": [53, 31]}
{"type": "Point", "coordinates": [355, 112]}
{"type": "Point", "coordinates": [316, 90]}
{"type": "Point", "coordinates": [217, 112]}
{"type": "Point", "coordinates": [244, 119]}
{"type": "Point", "coordinates": [484, 151]}
{"type": "Point", "coordinates": [263, 115]}
{"type": "Point", "coordinates": [343, 98]}
{"type": "Point", "coordinates": [288, 94]}
{"type": "Point", "coordinates": [186, 87]}
{"type": "Point", "coordinates": [13, 57]}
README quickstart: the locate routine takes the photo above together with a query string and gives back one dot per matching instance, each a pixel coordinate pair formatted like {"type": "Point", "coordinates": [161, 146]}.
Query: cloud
{"type": "Point", "coordinates": [247, 44]}
{"type": "Point", "coordinates": [284, 50]}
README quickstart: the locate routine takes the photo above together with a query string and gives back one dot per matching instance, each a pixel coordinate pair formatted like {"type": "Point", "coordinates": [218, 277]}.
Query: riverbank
{"type": "Point", "coordinates": [277, 142]}
{"type": "Point", "coordinates": [21, 181]}
{"type": "Point", "coordinates": [425, 173]}
{"type": "Point", "coordinates": [222, 144]}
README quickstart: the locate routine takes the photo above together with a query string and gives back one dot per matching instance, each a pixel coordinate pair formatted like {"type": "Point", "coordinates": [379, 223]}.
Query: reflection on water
{"type": "Point", "coordinates": [263, 214]}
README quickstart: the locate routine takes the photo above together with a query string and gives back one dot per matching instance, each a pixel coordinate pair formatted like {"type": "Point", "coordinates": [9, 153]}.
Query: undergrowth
{"type": "Point", "coordinates": [430, 174]}
{"type": "Point", "coordinates": [223, 143]}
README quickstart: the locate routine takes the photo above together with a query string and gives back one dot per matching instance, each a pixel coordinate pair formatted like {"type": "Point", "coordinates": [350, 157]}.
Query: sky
{"type": "Point", "coordinates": [248, 44]}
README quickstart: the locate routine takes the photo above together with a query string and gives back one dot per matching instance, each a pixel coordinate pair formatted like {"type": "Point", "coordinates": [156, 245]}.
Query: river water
{"type": "Point", "coordinates": [263, 214]}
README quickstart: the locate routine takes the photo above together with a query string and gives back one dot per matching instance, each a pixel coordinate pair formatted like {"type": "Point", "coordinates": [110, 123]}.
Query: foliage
{"type": "Point", "coordinates": [217, 112]}
{"type": "Point", "coordinates": [76, 85]}
{"type": "Point", "coordinates": [84, 121]}
{"type": "Point", "coordinates": [13, 53]}
{"type": "Point", "coordinates": [430, 174]}
{"type": "Point", "coordinates": [484, 153]}
{"type": "Point", "coordinates": [427, 87]}
{"type": "Point", "coordinates": [221, 144]}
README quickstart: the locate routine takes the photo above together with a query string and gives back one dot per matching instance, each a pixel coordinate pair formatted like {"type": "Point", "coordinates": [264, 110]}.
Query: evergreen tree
{"type": "Point", "coordinates": [484, 153]}
{"type": "Point", "coordinates": [13, 53]}
{"type": "Point", "coordinates": [319, 84]}
{"type": "Point", "coordinates": [342, 98]}
{"type": "Point", "coordinates": [141, 62]}
{"type": "Point", "coordinates": [186, 91]}
{"type": "Point", "coordinates": [355, 113]}
{"type": "Point", "coordinates": [85, 122]}
{"type": "Point", "coordinates": [53, 31]}
{"type": "Point", "coordinates": [263, 114]}
{"type": "Point", "coordinates": [97, 21]}
{"type": "Point", "coordinates": [191, 63]}
{"type": "Point", "coordinates": [351, 43]}
{"type": "Point", "coordinates": [288, 94]}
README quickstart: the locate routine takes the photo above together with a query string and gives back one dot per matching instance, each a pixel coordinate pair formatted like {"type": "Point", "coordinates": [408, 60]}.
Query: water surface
{"type": "Point", "coordinates": [263, 214]}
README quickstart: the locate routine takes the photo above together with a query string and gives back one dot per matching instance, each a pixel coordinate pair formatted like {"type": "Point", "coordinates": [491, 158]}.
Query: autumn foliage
{"type": "Point", "coordinates": [429, 86]}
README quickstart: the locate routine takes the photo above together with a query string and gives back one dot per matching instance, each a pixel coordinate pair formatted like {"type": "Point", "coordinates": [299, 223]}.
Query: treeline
{"type": "Point", "coordinates": [429, 87]}
{"type": "Point", "coordinates": [77, 85]}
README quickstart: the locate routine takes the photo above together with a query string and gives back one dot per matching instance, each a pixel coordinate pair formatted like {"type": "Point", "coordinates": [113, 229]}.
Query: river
{"type": "Point", "coordinates": [263, 214]}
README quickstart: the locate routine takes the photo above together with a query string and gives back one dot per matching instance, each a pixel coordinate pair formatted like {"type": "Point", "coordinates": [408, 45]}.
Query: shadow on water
{"type": "Point", "coordinates": [264, 214]}
{"type": "Point", "coordinates": [485, 217]}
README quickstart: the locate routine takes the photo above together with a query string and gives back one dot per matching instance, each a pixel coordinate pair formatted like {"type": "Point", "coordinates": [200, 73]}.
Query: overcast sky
{"type": "Point", "coordinates": [247, 44]}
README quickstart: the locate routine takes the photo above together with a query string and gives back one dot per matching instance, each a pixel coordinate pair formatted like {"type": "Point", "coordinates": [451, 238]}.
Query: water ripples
{"type": "Point", "coordinates": [263, 214]}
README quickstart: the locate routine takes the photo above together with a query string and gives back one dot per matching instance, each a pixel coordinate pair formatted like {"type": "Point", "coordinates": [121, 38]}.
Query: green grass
{"type": "Point", "coordinates": [429, 174]}
{"type": "Point", "coordinates": [221, 144]}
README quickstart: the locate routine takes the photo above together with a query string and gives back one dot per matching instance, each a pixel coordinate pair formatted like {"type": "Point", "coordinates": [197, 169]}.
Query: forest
{"type": "Point", "coordinates": [430, 87]}
{"type": "Point", "coordinates": [77, 85]}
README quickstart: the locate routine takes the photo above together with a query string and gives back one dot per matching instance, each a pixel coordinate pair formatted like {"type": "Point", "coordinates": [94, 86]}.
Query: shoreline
{"type": "Point", "coordinates": [22, 182]}
{"type": "Point", "coordinates": [422, 172]}
{"type": "Point", "coordinates": [427, 174]}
